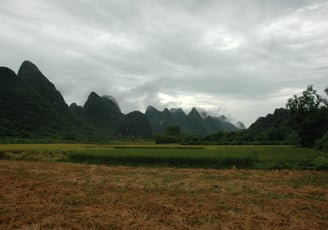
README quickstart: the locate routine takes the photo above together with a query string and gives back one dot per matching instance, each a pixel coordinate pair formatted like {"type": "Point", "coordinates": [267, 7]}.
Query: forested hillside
{"type": "Point", "coordinates": [31, 107]}
{"type": "Point", "coordinates": [193, 123]}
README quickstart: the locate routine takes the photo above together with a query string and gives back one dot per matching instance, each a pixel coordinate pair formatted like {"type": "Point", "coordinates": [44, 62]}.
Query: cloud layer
{"type": "Point", "coordinates": [242, 59]}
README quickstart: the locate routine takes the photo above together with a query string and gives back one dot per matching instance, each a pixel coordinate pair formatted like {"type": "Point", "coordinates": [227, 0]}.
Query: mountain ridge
{"type": "Point", "coordinates": [35, 95]}
{"type": "Point", "coordinates": [31, 106]}
{"type": "Point", "coordinates": [193, 122]}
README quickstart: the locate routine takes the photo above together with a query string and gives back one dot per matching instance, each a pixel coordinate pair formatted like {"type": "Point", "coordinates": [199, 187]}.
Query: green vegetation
{"type": "Point", "coordinates": [310, 116]}
{"type": "Point", "coordinates": [23, 112]}
{"type": "Point", "coordinates": [304, 122]}
{"type": "Point", "coordinates": [173, 155]}
{"type": "Point", "coordinates": [101, 113]}
{"type": "Point", "coordinates": [32, 108]}
{"type": "Point", "coordinates": [134, 125]}
{"type": "Point", "coordinates": [274, 133]}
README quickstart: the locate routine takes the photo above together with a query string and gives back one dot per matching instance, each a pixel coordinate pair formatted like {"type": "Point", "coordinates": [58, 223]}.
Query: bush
{"type": "Point", "coordinates": [321, 163]}
{"type": "Point", "coordinates": [322, 144]}
{"type": "Point", "coordinates": [164, 139]}
{"type": "Point", "coordinates": [193, 140]}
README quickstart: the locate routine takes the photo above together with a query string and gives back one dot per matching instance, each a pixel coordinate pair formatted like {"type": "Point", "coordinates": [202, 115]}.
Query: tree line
{"type": "Point", "coordinates": [304, 122]}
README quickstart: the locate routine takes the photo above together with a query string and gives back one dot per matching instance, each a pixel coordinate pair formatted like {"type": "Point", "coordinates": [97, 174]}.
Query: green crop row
{"type": "Point", "coordinates": [261, 157]}
{"type": "Point", "coordinates": [265, 157]}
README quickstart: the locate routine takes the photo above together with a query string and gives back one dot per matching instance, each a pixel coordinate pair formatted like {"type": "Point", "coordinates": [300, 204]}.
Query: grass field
{"type": "Point", "coordinates": [43, 195]}
{"type": "Point", "coordinates": [41, 189]}
{"type": "Point", "coordinates": [149, 154]}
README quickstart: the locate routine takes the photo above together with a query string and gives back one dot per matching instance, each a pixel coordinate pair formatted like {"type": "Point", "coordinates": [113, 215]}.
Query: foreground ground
{"type": "Point", "coordinates": [39, 195]}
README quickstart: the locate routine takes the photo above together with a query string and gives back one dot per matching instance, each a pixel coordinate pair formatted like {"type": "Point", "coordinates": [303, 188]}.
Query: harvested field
{"type": "Point", "coordinates": [39, 195]}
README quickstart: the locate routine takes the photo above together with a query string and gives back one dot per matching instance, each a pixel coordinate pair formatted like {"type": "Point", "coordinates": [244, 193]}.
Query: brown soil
{"type": "Point", "coordinates": [71, 196]}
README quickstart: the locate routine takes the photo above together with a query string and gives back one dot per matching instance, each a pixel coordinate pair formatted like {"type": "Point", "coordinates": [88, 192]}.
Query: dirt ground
{"type": "Point", "coordinates": [36, 195]}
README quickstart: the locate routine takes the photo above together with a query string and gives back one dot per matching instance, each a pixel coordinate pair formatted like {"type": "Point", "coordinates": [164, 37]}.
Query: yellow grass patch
{"type": "Point", "coordinates": [36, 195]}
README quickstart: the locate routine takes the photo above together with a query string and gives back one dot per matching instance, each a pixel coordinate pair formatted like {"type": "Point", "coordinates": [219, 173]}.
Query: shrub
{"type": "Point", "coordinates": [322, 144]}
{"type": "Point", "coordinates": [321, 162]}
{"type": "Point", "coordinates": [164, 139]}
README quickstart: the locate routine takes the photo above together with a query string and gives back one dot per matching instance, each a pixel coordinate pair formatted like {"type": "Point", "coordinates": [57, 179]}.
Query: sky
{"type": "Point", "coordinates": [241, 59]}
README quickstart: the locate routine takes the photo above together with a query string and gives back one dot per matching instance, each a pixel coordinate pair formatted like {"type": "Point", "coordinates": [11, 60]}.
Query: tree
{"type": "Point", "coordinates": [173, 130]}
{"type": "Point", "coordinates": [172, 135]}
{"type": "Point", "coordinates": [324, 100]}
{"type": "Point", "coordinates": [309, 101]}
{"type": "Point", "coordinates": [309, 117]}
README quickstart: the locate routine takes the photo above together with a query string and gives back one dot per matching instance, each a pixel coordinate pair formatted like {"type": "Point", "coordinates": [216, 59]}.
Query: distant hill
{"type": "Point", "coordinates": [195, 123]}
{"type": "Point", "coordinates": [275, 127]}
{"type": "Point", "coordinates": [33, 77]}
{"type": "Point", "coordinates": [180, 117]}
{"type": "Point", "coordinates": [134, 124]}
{"type": "Point", "coordinates": [23, 111]}
{"type": "Point", "coordinates": [104, 115]}
{"type": "Point", "coordinates": [192, 123]}
{"type": "Point", "coordinates": [240, 125]}
{"type": "Point", "coordinates": [281, 118]}
{"type": "Point", "coordinates": [101, 113]}
{"type": "Point", "coordinates": [159, 120]}
{"type": "Point", "coordinates": [32, 107]}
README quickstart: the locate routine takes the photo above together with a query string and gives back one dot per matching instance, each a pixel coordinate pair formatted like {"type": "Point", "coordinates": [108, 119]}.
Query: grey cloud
{"type": "Point", "coordinates": [231, 53]}
{"type": "Point", "coordinates": [142, 95]}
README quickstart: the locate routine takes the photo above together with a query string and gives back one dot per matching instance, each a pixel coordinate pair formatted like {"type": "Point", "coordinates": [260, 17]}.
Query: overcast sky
{"type": "Point", "coordinates": [238, 58]}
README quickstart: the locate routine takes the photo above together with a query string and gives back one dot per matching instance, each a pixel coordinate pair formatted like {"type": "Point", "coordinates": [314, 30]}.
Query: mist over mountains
{"type": "Point", "coordinates": [31, 106]}
{"type": "Point", "coordinates": [194, 122]}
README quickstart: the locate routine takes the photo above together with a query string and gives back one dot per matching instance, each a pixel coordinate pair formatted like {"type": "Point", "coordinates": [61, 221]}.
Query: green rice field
{"type": "Point", "coordinates": [184, 156]}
